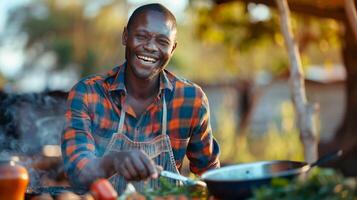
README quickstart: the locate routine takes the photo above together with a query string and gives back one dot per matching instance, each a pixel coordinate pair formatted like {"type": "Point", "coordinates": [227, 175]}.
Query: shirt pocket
{"type": "Point", "coordinates": [179, 146]}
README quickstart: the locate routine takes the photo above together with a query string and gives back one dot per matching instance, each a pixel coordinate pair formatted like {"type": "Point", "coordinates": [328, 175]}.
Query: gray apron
{"type": "Point", "coordinates": [158, 149]}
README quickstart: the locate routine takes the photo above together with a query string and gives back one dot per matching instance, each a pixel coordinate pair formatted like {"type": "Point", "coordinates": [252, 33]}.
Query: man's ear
{"type": "Point", "coordinates": [174, 47]}
{"type": "Point", "coordinates": [124, 36]}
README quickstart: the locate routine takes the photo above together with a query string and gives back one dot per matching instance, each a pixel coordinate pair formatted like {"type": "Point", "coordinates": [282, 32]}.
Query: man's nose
{"type": "Point", "coordinates": [150, 45]}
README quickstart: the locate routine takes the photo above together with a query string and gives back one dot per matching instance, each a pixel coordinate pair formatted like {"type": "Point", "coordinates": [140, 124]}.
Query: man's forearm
{"type": "Point", "coordinates": [98, 168]}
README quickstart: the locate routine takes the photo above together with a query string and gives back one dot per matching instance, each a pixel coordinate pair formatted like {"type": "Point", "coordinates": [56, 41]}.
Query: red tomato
{"type": "Point", "coordinates": [101, 189]}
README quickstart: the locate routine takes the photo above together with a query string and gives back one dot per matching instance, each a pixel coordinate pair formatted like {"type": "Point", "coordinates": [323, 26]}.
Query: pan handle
{"type": "Point", "coordinates": [326, 158]}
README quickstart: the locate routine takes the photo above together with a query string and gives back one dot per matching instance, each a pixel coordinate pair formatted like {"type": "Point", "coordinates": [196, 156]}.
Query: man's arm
{"type": "Point", "coordinates": [203, 149]}
{"type": "Point", "coordinates": [78, 147]}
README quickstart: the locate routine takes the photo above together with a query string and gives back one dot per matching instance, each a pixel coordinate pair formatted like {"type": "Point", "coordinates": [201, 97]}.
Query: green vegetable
{"type": "Point", "coordinates": [320, 184]}
{"type": "Point", "coordinates": [167, 188]}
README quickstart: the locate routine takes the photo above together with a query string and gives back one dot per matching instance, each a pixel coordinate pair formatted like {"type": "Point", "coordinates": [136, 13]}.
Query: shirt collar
{"type": "Point", "coordinates": [165, 83]}
{"type": "Point", "coordinates": [116, 78]}
{"type": "Point", "coordinates": [118, 84]}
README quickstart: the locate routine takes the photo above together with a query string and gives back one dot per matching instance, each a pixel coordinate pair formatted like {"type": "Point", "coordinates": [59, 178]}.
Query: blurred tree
{"type": "Point", "coordinates": [251, 46]}
{"type": "Point", "coordinates": [321, 39]}
{"type": "Point", "coordinates": [306, 112]}
{"type": "Point", "coordinates": [2, 82]}
{"type": "Point", "coordinates": [77, 37]}
{"type": "Point", "coordinates": [232, 25]}
{"type": "Point", "coordinates": [229, 27]}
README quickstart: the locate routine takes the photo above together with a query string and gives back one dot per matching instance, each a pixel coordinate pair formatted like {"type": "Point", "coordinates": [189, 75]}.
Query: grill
{"type": "Point", "coordinates": [54, 191]}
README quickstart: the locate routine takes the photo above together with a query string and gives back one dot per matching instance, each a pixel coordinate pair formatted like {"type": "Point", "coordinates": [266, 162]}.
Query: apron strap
{"type": "Point", "coordinates": [121, 121]}
{"type": "Point", "coordinates": [164, 116]}
{"type": "Point", "coordinates": [120, 130]}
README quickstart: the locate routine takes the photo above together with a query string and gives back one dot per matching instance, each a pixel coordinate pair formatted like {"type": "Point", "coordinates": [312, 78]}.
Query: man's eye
{"type": "Point", "coordinates": [164, 42]}
{"type": "Point", "coordinates": [140, 37]}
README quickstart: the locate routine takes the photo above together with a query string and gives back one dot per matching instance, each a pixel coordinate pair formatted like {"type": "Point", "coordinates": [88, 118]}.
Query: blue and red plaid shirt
{"type": "Point", "coordinates": [93, 113]}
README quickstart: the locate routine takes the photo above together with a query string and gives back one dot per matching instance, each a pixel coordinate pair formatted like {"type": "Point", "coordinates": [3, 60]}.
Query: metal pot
{"type": "Point", "coordinates": [238, 181]}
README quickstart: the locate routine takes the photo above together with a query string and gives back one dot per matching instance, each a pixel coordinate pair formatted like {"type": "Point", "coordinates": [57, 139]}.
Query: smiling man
{"type": "Point", "coordinates": [139, 117]}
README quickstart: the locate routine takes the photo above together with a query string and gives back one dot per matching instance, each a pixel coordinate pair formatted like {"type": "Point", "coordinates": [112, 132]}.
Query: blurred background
{"type": "Point", "coordinates": [234, 49]}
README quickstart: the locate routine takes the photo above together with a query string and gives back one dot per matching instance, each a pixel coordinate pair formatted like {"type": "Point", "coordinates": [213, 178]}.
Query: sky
{"type": "Point", "coordinates": [10, 58]}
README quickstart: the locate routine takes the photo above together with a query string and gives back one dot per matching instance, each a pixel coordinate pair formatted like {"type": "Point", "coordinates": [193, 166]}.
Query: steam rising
{"type": "Point", "coordinates": [28, 123]}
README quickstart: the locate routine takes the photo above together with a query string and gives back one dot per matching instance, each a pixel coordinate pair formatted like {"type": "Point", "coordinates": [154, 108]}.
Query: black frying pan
{"type": "Point", "coordinates": [237, 181]}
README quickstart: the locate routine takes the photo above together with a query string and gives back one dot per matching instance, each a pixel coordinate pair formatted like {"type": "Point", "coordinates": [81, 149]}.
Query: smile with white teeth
{"type": "Point", "coordinates": [146, 59]}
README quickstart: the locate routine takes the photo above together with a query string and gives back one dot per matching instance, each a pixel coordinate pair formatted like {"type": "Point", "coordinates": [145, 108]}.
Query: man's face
{"type": "Point", "coordinates": [149, 44]}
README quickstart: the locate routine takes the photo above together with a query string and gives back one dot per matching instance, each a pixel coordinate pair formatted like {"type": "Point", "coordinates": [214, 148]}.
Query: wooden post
{"type": "Point", "coordinates": [306, 113]}
{"type": "Point", "coordinates": [350, 9]}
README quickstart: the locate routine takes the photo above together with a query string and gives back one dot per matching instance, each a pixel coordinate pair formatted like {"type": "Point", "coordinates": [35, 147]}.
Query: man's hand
{"type": "Point", "coordinates": [134, 165]}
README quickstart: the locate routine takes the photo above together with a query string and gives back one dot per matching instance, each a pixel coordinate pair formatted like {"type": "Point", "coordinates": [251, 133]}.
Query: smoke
{"type": "Point", "coordinates": [28, 122]}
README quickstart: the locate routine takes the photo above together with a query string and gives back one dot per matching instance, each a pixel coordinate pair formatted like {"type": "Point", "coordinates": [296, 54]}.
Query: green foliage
{"type": "Point", "coordinates": [64, 50]}
{"type": "Point", "coordinates": [280, 142]}
{"type": "Point", "coordinates": [77, 40]}
{"type": "Point", "coordinates": [221, 43]}
{"type": "Point", "coordinates": [38, 28]}
{"type": "Point", "coordinates": [273, 145]}
{"type": "Point", "coordinates": [244, 45]}
{"type": "Point", "coordinates": [167, 189]}
{"type": "Point", "coordinates": [226, 126]}
{"type": "Point", "coordinates": [89, 63]}
{"type": "Point", "coordinates": [2, 81]}
{"type": "Point", "coordinates": [229, 24]}
{"type": "Point", "coordinates": [320, 184]}
{"type": "Point", "coordinates": [248, 46]}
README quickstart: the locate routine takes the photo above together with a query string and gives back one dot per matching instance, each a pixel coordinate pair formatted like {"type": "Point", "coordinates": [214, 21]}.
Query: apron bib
{"type": "Point", "coordinates": [158, 149]}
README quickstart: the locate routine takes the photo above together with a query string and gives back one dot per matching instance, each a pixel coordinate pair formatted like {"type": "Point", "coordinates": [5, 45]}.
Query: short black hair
{"type": "Point", "coordinates": [152, 7]}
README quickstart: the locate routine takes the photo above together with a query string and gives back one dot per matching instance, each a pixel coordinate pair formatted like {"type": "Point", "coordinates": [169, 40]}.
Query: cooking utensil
{"type": "Point", "coordinates": [185, 180]}
{"type": "Point", "coordinates": [238, 181]}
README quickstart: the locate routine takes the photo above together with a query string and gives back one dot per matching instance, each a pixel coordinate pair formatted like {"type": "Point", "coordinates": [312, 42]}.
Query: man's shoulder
{"type": "Point", "coordinates": [92, 79]}
{"type": "Point", "coordinates": [184, 86]}
{"type": "Point", "coordinates": [97, 79]}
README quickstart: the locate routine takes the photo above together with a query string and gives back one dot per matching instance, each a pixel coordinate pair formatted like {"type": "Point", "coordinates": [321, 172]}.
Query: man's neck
{"type": "Point", "coordinates": [141, 89]}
